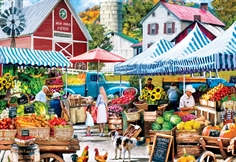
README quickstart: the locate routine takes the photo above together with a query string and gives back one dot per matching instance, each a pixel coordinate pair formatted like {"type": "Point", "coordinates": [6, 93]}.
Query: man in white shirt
{"type": "Point", "coordinates": [187, 102]}
{"type": "Point", "coordinates": [41, 96]}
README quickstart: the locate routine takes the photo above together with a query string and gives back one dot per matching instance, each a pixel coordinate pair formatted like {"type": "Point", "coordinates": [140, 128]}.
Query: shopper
{"type": "Point", "coordinates": [173, 96]}
{"type": "Point", "coordinates": [89, 120]}
{"type": "Point", "coordinates": [101, 105]}
{"type": "Point", "coordinates": [149, 85]}
{"type": "Point", "coordinates": [41, 96]}
{"type": "Point", "coordinates": [187, 101]}
{"type": "Point", "coordinates": [55, 103]}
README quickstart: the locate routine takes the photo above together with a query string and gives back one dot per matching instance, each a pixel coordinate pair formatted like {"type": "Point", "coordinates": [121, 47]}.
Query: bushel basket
{"type": "Point", "coordinates": [133, 116]}
{"type": "Point", "coordinates": [143, 106]}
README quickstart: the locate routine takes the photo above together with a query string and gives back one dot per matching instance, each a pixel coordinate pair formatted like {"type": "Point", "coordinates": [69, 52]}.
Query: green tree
{"type": "Point", "coordinates": [134, 81]}
{"type": "Point", "coordinates": [97, 32]}
{"type": "Point", "coordinates": [225, 10]}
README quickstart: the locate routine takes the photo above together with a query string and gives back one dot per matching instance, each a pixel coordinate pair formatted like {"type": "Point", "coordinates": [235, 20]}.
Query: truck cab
{"type": "Point", "coordinates": [92, 82]}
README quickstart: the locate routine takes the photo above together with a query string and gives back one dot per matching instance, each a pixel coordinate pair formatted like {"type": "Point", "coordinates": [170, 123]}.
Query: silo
{"type": "Point", "coordinates": [111, 15]}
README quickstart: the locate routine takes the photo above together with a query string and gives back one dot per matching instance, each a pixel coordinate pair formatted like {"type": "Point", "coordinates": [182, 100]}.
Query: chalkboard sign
{"type": "Point", "coordinates": [29, 109]}
{"type": "Point", "coordinates": [25, 133]}
{"type": "Point", "coordinates": [12, 112]}
{"type": "Point", "coordinates": [51, 111]}
{"type": "Point", "coordinates": [161, 148]}
{"type": "Point", "coordinates": [23, 100]}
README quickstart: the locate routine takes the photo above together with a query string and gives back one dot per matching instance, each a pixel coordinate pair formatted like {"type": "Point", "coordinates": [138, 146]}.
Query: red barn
{"type": "Point", "coordinates": [52, 25]}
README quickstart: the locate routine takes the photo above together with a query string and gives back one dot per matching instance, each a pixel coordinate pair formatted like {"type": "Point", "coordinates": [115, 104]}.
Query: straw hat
{"type": "Point", "coordinates": [190, 88]}
{"type": "Point", "coordinates": [56, 94]}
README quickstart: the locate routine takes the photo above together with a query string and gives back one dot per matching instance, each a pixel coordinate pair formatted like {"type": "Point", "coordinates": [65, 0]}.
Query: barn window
{"type": "Point", "coordinates": [153, 29]}
{"type": "Point", "coordinates": [153, 14]}
{"type": "Point", "coordinates": [169, 28]}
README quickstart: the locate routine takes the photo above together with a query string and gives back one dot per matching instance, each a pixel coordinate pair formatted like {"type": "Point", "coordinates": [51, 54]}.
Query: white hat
{"type": "Point", "coordinates": [45, 87]}
{"type": "Point", "coordinates": [190, 88]}
{"type": "Point", "coordinates": [56, 94]}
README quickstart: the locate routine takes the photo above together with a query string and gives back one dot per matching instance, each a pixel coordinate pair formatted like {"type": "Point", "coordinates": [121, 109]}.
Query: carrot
{"type": "Point", "coordinates": [27, 126]}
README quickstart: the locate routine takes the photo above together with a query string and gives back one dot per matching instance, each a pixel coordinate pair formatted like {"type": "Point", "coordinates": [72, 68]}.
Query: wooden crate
{"type": "Point", "coordinates": [203, 102]}
{"type": "Point", "coordinates": [194, 150]}
{"type": "Point", "coordinates": [153, 132]}
{"type": "Point", "coordinates": [151, 115]}
{"type": "Point", "coordinates": [211, 104]}
{"type": "Point", "coordinates": [37, 132]}
{"type": "Point", "coordinates": [147, 127]}
{"type": "Point", "coordinates": [135, 134]}
{"type": "Point", "coordinates": [188, 136]}
{"type": "Point", "coordinates": [115, 123]}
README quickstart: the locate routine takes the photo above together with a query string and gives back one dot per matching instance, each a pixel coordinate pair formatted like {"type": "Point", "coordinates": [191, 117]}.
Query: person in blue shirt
{"type": "Point", "coordinates": [173, 96]}
{"type": "Point", "coordinates": [41, 96]}
{"type": "Point", "coordinates": [56, 104]}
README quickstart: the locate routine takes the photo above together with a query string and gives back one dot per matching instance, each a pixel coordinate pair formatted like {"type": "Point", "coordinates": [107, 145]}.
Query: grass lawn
{"type": "Point", "coordinates": [157, 80]}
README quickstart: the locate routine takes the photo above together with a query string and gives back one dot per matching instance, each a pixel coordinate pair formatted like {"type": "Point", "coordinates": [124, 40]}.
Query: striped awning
{"type": "Point", "coordinates": [165, 64]}
{"type": "Point", "coordinates": [132, 66]}
{"type": "Point", "coordinates": [23, 56]}
{"type": "Point", "coordinates": [220, 54]}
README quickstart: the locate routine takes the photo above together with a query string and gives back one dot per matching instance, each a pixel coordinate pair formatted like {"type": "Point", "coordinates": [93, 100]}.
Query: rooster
{"type": "Point", "coordinates": [100, 158]}
{"type": "Point", "coordinates": [82, 158]}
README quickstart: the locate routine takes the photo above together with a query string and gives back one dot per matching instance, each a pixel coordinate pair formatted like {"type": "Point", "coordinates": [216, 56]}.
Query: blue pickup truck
{"type": "Point", "coordinates": [90, 86]}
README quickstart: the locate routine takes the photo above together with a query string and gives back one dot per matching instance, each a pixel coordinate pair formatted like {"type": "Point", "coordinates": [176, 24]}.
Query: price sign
{"type": "Point", "coordinates": [23, 100]}
{"type": "Point", "coordinates": [51, 111]}
{"type": "Point", "coordinates": [161, 148]}
{"type": "Point", "coordinates": [25, 132]}
{"type": "Point", "coordinates": [12, 112]}
{"type": "Point", "coordinates": [29, 109]}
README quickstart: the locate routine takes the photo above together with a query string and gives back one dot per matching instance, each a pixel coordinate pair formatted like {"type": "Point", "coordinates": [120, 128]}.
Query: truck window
{"type": "Point", "coordinates": [94, 78]}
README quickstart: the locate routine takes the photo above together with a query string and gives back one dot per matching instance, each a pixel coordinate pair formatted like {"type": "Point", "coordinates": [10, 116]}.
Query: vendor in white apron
{"type": "Point", "coordinates": [187, 102]}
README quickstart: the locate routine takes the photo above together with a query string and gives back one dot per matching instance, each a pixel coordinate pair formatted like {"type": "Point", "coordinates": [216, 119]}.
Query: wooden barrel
{"type": "Point", "coordinates": [22, 154]}
{"type": "Point", "coordinates": [73, 113]}
{"type": "Point", "coordinates": [115, 123]}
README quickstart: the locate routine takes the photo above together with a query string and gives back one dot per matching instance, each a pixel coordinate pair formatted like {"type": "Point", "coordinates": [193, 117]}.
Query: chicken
{"type": "Point", "coordinates": [100, 158]}
{"type": "Point", "coordinates": [82, 158]}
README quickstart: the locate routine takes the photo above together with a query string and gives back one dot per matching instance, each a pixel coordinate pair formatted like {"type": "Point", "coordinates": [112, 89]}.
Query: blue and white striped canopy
{"type": "Point", "coordinates": [165, 64]}
{"type": "Point", "coordinates": [132, 66]}
{"type": "Point", "coordinates": [220, 54]}
{"type": "Point", "coordinates": [23, 56]}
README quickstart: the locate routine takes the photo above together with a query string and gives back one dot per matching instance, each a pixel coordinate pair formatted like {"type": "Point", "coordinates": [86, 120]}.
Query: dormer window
{"type": "Point", "coordinates": [168, 13]}
{"type": "Point", "coordinates": [153, 14]}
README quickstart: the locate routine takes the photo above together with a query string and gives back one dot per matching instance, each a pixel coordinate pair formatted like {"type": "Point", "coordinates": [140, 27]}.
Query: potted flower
{"type": "Point", "coordinates": [152, 96]}
{"type": "Point", "coordinates": [114, 110]}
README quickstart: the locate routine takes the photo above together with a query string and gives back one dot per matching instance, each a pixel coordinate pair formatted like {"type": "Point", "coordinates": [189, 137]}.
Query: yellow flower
{"type": "Point", "coordinates": [4, 81]}
{"type": "Point", "coordinates": [8, 85]}
{"type": "Point", "coordinates": [158, 90]}
{"type": "Point", "coordinates": [158, 96]}
{"type": "Point", "coordinates": [149, 93]}
{"type": "Point", "coordinates": [152, 97]}
{"type": "Point", "coordinates": [145, 97]}
{"type": "Point", "coordinates": [1, 86]}
{"type": "Point", "coordinates": [7, 75]}
{"type": "Point", "coordinates": [153, 92]}
{"type": "Point", "coordinates": [12, 84]}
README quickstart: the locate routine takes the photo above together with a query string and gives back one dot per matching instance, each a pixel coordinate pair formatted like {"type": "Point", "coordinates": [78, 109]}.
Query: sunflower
{"type": "Point", "coordinates": [158, 90]}
{"type": "Point", "coordinates": [4, 81]}
{"type": "Point", "coordinates": [12, 84]}
{"type": "Point", "coordinates": [149, 93]}
{"type": "Point", "coordinates": [145, 97]}
{"type": "Point", "coordinates": [153, 92]}
{"type": "Point", "coordinates": [158, 96]}
{"type": "Point", "coordinates": [1, 86]}
{"type": "Point", "coordinates": [153, 97]}
{"type": "Point", "coordinates": [7, 75]}
{"type": "Point", "coordinates": [8, 85]}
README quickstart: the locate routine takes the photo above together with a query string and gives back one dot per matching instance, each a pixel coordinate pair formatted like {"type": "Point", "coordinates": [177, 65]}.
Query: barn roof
{"type": "Point", "coordinates": [185, 13]}
{"type": "Point", "coordinates": [36, 14]}
{"type": "Point", "coordinates": [126, 37]}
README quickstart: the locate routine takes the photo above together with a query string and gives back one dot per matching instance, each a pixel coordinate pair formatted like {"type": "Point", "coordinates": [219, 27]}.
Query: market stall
{"type": "Point", "coordinates": [30, 129]}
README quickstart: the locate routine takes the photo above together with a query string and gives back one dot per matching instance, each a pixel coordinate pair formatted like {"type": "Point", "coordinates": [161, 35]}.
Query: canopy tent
{"type": "Point", "coordinates": [163, 65]}
{"type": "Point", "coordinates": [220, 54]}
{"type": "Point", "coordinates": [132, 66]}
{"type": "Point", "coordinates": [23, 56]}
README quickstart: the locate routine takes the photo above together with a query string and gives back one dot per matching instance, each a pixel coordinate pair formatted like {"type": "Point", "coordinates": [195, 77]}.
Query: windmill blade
{"type": "Point", "coordinates": [12, 10]}
{"type": "Point", "coordinates": [9, 31]}
{"type": "Point", "coordinates": [22, 19]}
{"type": "Point", "coordinates": [17, 31]}
{"type": "Point", "coordinates": [6, 12]}
{"type": "Point", "coordinates": [2, 26]}
{"type": "Point", "coordinates": [18, 12]}
{"type": "Point", "coordinates": [22, 24]}
{"type": "Point", "coordinates": [21, 29]}
{"type": "Point", "coordinates": [4, 16]}
{"type": "Point", "coordinates": [6, 29]}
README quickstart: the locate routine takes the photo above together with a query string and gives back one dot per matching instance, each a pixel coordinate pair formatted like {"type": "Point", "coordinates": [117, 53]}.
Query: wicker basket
{"type": "Point", "coordinates": [63, 133]}
{"type": "Point", "coordinates": [143, 106]}
{"type": "Point", "coordinates": [24, 143]}
{"type": "Point", "coordinates": [37, 132]}
{"type": "Point", "coordinates": [133, 116]}
{"type": "Point", "coordinates": [7, 133]}
{"type": "Point", "coordinates": [16, 104]}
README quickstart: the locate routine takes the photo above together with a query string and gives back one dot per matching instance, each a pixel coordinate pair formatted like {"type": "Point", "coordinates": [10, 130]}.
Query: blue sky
{"type": "Point", "coordinates": [79, 5]}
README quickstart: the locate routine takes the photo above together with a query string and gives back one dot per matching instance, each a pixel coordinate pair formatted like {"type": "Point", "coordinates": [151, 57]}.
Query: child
{"type": "Point", "coordinates": [89, 120]}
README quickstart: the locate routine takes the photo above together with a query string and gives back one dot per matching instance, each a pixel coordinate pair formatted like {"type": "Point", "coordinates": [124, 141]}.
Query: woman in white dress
{"type": "Point", "coordinates": [89, 120]}
{"type": "Point", "coordinates": [101, 105]}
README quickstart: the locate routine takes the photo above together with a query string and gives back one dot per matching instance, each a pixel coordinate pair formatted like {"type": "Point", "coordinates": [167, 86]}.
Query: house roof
{"type": "Point", "coordinates": [215, 30]}
{"type": "Point", "coordinates": [185, 13]}
{"type": "Point", "coordinates": [36, 14]}
{"type": "Point", "coordinates": [137, 44]}
{"type": "Point", "coordinates": [126, 37]}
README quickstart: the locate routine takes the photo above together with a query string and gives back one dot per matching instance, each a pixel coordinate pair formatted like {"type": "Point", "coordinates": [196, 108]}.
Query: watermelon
{"type": "Point", "coordinates": [156, 126]}
{"type": "Point", "coordinates": [167, 125]}
{"type": "Point", "coordinates": [159, 120]}
{"type": "Point", "coordinates": [175, 119]}
{"type": "Point", "coordinates": [167, 116]}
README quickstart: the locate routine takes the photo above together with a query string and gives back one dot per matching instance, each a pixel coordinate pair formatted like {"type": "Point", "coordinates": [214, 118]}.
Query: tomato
{"type": "Point", "coordinates": [11, 127]}
{"type": "Point", "coordinates": [8, 120]}
{"type": "Point", "coordinates": [1, 127]}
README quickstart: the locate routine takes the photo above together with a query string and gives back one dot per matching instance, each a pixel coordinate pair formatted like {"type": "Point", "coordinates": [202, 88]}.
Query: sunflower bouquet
{"type": "Point", "coordinates": [6, 82]}
{"type": "Point", "coordinates": [152, 96]}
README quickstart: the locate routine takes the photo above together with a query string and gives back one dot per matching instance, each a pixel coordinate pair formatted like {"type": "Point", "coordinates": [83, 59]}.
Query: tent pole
{"type": "Point", "coordinates": [66, 79]}
{"type": "Point", "coordinates": [98, 77]}
{"type": "Point", "coordinates": [184, 79]}
{"type": "Point", "coordinates": [140, 84]}
{"type": "Point", "coordinates": [120, 84]}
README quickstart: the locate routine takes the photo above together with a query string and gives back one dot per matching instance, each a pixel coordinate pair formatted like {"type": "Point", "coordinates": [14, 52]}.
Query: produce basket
{"type": "Point", "coordinates": [24, 143]}
{"type": "Point", "coordinates": [132, 90]}
{"type": "Point", "coordinates": [63, 133]}
{"type": "Point", "coordinates": [7, 133]}
{"type": "Point", "coordinates": [143, 106]}
{"type": "Point", "coordinates": [132, 131]}
{"type": "Point", "coordinates": [37, 132]}
{"type": "Point", "coordinates": [16, 104]}
{"type": "Point", "coordinates": [133, 116]}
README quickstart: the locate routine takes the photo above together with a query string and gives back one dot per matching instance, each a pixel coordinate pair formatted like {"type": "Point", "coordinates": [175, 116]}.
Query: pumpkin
{"type": "Point", "coordinates": [186, 158]}
{"type": "Point", "coordinates": [210, 130]}
{"type": "Point", "coordinates": [229, 126]}
{"type": "Point", "coordinates": [227, 134]}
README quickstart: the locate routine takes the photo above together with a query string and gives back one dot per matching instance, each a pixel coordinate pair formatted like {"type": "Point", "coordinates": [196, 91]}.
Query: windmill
{"type": "Point", "coordinates": [12, 22]}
